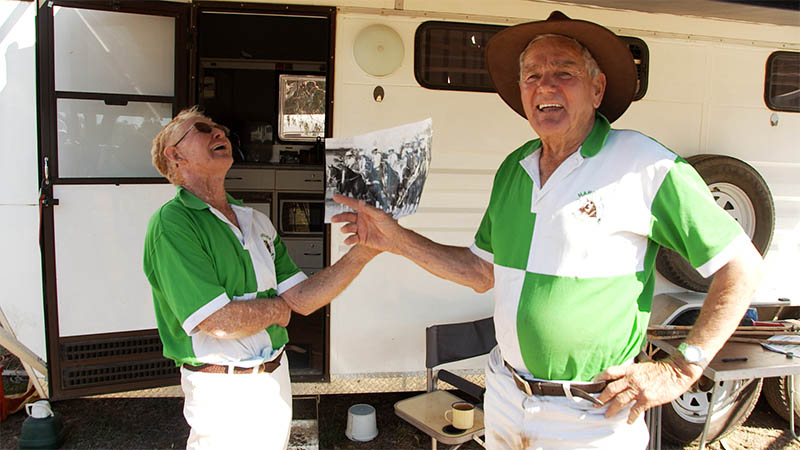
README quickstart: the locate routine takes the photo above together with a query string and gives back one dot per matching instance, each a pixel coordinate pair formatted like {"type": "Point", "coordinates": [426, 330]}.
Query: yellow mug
{"type": "Point", "coordinates": [463, 415]}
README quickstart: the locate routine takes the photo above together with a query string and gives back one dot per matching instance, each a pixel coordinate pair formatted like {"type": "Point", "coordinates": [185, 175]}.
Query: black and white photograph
{"type": "Point", "coordinates": [385, 168]}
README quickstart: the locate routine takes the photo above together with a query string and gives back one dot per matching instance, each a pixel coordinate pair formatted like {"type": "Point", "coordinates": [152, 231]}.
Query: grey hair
{"type": "Point", "coordinates": [588, 59]}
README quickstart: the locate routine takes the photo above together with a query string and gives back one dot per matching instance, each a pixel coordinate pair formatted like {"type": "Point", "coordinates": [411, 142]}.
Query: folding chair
{"type": "Point", "coordinates": [443, 344]}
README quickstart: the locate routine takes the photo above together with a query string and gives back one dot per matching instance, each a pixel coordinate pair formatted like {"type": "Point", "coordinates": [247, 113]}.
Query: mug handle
{"type": "Point", "coordinates": [448, 419]}
{"type": "Point", "coordinates": [28, 407]}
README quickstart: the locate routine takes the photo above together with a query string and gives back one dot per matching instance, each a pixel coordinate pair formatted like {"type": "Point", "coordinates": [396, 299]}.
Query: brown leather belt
{"type": "Point", "coordinates": [556, 389]}
{"type": "Point", "coordinates": [268, 367]}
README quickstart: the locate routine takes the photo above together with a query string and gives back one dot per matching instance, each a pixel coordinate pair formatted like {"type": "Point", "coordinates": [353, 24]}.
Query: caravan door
{"type": "Point", "coordinates": [109, 81]}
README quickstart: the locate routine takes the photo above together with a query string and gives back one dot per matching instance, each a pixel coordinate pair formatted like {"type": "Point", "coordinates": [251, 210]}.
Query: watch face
{"type": "Point", "coordinates": [691, 353]}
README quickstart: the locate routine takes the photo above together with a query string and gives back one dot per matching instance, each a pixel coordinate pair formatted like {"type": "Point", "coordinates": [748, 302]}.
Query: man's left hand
{"type": "Point", "coordinates": [645, 385]}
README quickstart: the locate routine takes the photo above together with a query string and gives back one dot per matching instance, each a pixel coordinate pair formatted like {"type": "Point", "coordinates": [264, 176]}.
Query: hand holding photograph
{"type": "Point", "coordinates": [385, 168]}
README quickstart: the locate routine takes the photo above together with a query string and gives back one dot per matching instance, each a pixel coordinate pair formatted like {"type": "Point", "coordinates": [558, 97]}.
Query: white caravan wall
{"type": "Point", "coordinates": [704, 96]}
{"type": "Point", "coordinates": [20, 259]}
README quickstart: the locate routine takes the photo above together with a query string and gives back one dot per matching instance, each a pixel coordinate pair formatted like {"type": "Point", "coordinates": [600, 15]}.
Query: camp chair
{"type": "Point", "coordinates": [443, 344]}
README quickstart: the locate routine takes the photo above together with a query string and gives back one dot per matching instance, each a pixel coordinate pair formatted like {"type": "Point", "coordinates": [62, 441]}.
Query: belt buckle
{"type": "Point", "coordinates": [522, 384]}
{"type": "Point", "coordinates": [578, 392]}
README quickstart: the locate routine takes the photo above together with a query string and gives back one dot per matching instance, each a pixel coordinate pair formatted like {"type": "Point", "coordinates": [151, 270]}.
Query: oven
{"type": "Point", "coordinates": [301, 214]}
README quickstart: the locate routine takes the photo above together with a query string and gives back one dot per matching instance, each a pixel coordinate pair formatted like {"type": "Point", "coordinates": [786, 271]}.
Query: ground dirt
{"type": "Point", "coordinates": [157, 423]}
{"type": "Point", "coordinates": [153, 422]}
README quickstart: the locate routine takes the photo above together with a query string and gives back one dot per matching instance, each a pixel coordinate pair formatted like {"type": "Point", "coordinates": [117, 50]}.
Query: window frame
{"type": "Point", "coordinates": [768, 85]}
{"type": "Point", "coordinates": [49, 96]}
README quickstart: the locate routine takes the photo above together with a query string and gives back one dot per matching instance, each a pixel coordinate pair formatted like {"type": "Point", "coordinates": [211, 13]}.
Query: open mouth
{"type": "Point", "coordinates": [219, 147]}
{"type": "Point", "coordinates": [549, 107]}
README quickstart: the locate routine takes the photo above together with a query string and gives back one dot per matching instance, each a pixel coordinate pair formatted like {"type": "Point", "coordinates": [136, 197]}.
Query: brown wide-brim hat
{"type": "Point", "coordinates": [611, 54]}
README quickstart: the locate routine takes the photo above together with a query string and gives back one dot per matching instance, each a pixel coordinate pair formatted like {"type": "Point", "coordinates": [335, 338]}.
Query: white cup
{"type": "Point", "coordinates": [463, 415]}
{"type": "Point", "coordinates": [39, 410]}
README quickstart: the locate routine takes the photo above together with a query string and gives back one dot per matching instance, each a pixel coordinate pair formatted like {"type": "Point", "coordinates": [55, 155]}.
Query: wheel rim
{"type": "Point", "coordinates": [692, 406]}
{"type": "Point", "coordinates": [735, 202]}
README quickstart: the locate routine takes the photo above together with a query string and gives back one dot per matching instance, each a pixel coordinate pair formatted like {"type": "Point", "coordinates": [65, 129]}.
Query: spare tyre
{"type": "Point", "coordinates": [682, 419]}
{"type": "Point", "coordinates": [776, 391]}
{"type": "Point", "coordinates": [739, 190]}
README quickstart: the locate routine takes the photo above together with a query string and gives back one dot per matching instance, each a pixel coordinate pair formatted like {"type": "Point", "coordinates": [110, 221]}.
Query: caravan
{"type": "Point", "coordinates": [85, 85]}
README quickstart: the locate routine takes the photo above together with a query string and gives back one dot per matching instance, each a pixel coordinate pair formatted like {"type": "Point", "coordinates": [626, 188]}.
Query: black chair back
{"type": "Point", "coordinates": [456, 341]}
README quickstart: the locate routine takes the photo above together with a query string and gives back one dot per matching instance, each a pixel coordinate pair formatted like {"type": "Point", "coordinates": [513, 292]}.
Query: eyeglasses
{"type": "Point", "coordinates": [203, 127]}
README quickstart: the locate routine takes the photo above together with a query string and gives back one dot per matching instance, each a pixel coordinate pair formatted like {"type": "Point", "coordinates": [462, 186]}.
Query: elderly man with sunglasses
{"type": "Point", "coordinates": [224, 288]}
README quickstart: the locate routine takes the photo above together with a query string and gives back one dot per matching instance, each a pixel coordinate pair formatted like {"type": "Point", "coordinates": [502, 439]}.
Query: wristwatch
{"type": "Point", "coordinates": [693, 354]}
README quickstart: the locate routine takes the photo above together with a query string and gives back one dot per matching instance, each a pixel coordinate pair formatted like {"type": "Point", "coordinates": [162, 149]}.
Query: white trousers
{"type": "Point", "coordinates": [514, 420]}
{"type": "Point", "coordinates": [238, 411]}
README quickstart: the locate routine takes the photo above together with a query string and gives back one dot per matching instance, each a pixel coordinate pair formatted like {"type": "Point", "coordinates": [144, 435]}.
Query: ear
{"type": "Point", "coordinates": [173, 155]}
{"type": "Point", "coordinates": [598, 89]}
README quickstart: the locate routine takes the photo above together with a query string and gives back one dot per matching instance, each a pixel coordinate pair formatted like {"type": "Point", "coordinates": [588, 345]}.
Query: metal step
{"type": "Point", "coordinates": [304, 435]}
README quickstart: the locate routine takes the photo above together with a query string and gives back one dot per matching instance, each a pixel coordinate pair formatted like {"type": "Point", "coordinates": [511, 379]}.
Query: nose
{"type": "Point", "coordinates": [217, 132]}
{"type": "Point", "coordinates": [548, 80]}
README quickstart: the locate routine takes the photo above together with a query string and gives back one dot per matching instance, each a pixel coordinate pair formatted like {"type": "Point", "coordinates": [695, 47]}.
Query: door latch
{"type": "Point", "coordinates": [47, 189]}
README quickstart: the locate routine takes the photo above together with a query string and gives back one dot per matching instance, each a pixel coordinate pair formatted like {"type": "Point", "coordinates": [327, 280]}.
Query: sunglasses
{"type": "Point", "coordinates": [205, 128]}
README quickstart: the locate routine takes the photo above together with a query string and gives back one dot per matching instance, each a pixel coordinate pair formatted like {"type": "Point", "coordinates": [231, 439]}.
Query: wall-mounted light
{"type": "Point", "coordinates": [378, 94]}
{"type": "Point", "coordinates": [378, 50]}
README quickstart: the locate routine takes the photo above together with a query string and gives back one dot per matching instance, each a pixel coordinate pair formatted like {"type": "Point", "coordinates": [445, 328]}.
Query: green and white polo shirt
{"type": "Point", "coordinates": [197, 262]}
{"type": "Point", "coordinates": [574, 259]}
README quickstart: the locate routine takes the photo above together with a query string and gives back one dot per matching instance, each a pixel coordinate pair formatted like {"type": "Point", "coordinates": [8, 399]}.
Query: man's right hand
{"type": "Point", "coordinates": [368, 225]}
{"type": "Point", "coordinates": [373, 228]}
{"type": "Point", "coordinates": [645, 385]}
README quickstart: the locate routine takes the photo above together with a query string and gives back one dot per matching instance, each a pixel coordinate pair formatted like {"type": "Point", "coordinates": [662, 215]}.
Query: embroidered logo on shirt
{"type": "Point", "coordinates": [589, 208]}
{"type": "Point", "coordinates": [270, 245]}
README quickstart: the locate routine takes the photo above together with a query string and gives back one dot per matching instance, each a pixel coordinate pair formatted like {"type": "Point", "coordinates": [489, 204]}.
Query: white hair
{"type": "Point", "coordinates": [588, 59]}
{"type": "Point", "coordinates": [167, 135]}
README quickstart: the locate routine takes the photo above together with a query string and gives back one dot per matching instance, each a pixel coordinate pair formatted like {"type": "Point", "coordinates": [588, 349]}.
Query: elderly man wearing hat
{"type": "Point", "coordinates": [568, 241]}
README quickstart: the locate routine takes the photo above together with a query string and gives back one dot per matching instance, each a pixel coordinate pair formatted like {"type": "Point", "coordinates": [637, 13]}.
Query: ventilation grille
{"type": "Point", "coordinates": [118, 373]}
{"type": "Point", "coordinates": [110, 348]}
{"type": "Point", "coordinates": [114, 360]}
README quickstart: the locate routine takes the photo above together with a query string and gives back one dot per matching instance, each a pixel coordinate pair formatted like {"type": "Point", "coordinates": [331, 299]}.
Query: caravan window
{"type": "Point", "coordinates": [782, 81]}
{"type": "Point", "coordinates": [641, 57]}
{"type": "Point", "coordinates": [451, 56]}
